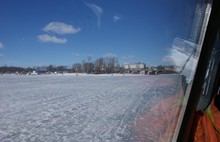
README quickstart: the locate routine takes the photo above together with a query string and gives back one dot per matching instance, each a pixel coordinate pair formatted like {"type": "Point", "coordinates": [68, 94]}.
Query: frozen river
{"type": "Point", "coordinates": [69, 108]}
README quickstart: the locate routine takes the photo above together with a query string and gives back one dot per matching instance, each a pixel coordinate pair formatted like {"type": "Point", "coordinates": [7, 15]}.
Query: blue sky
{"type": "Point", "coordinates": [64, 32]}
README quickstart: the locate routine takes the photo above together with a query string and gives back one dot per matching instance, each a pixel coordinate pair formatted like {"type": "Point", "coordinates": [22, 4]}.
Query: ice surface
{"type": "Point", "coordinates": [78, 108]}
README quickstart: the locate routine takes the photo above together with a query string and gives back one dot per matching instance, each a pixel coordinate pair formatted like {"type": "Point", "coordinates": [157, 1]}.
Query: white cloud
{"type": "Point", "coordinates": [76, 54]}
{"type": "Point", "coordinates": [1, 45]}
{"type": "Point", "coordinates": [181, 52]}
{"type": "Point", "coordinates": [53, 39]}
{"type": "Point", "coordinates": [97, 11]}
{"type": "Point", "coordinates": [60, 28]}
{"type": "Point", "coordinates": [110, 55]}
{"type": "Point", "coordinates": [176, 57]}
{"type": "Point", "coordinates": [184, 59]}
{"type": "Point", "coordinates": [116, 18]}
{"type": "Point", "coordinates": [184, 62]}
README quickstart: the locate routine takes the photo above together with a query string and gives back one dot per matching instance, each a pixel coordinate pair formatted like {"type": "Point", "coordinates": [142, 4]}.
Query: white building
{"type": "Point", "coordinates": [135, 67]}
{"type": "Point", "coordinates": [126, 66]}
{"type": "Point", "coordinates": [140, 66]}
{"type": "Point", "coordinates": [34, 73]}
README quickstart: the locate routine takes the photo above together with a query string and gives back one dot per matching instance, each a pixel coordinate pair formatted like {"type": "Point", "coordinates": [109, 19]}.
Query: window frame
{"type": "Point", "coordinates": [186, 128]}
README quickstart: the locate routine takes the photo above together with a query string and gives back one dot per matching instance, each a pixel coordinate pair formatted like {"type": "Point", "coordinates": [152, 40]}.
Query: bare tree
{"type": "Point", "coordinates": [50, 68]}
{"type": "Point", "coordinates": [100, 65]}
{"type": "Point", "coordinates": [61, 68]}
{"type": "Point", "coordinates": [111, 63]}
{"type": "Point", "coordinates": [83, 66]}
{"type": "Point", "coordinates": [88, 67]}
{"type": "Point", "coordinates": [77, 67]}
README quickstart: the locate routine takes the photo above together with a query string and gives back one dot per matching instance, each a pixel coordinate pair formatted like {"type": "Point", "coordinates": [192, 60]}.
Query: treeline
{"type": "Point", "coordinates": [11, 69]}
{"type": "Point", "coordinates": [101, 65]}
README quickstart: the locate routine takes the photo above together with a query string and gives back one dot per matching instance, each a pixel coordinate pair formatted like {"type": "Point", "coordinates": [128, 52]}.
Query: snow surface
{"type": "Point", "coordinates": [73, 108]}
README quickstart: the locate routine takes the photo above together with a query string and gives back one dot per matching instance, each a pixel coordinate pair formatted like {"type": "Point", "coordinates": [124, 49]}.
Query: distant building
{"type": "Point", "coordinates": [169, 68]}
{"type": "Point", "coordinates": [143, 72]}
{"type": "Point", "coordinates": [141, 66]}
{"type": "Point", "coordinates": [135, 67]}
{"type": "Point", "coordinates": [34, 73]}
{"type": "Point", "coordinates": [126, 66]}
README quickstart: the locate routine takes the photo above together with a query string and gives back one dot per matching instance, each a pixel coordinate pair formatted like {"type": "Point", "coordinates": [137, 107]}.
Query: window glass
{"type": "Point", "coordinates": [97, 70]}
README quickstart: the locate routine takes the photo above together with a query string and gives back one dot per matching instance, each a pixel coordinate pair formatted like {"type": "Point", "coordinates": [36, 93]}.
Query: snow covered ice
{"type": "Point", "coordinates": [55, 108]}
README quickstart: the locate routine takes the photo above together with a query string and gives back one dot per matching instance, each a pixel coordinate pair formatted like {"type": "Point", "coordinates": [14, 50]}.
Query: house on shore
{"type": "Point", "coordinates": [134, 68]}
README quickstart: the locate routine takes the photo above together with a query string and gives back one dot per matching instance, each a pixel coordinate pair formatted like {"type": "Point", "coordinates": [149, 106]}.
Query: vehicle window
{"type": "Point", "coordinates": [97, 70]}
